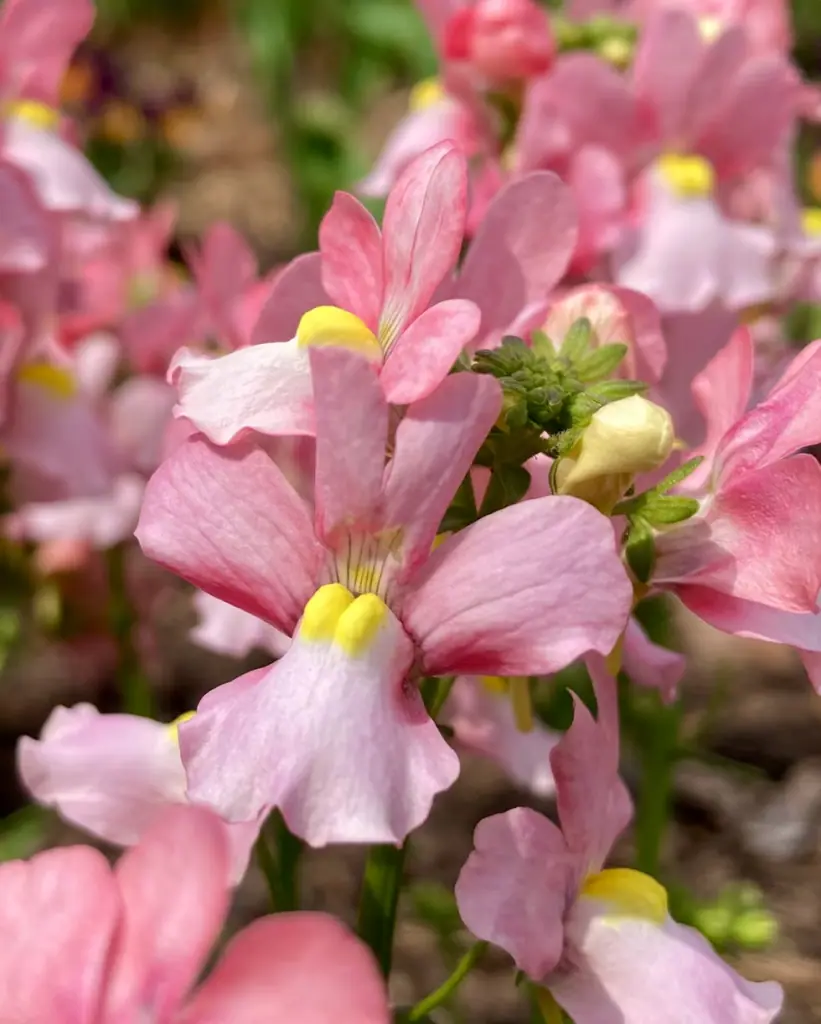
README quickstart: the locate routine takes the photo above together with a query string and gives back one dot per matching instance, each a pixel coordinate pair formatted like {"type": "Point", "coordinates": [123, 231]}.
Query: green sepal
{"type": "Point", "coordinates": [576, 342]}
{"type": "Point", "coordinates": [640, 548]}
{"type": "Point", "coordinates": [600, 363]}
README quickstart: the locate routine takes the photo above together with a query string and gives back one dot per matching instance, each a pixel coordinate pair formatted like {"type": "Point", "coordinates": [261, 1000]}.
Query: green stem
{"type": "Point", "coordinates": [446, 990]}
{"type": "Point", "coordinates": [378, 900]}
{"type": "Point", "coordinates": [658, 751]}
{"type": "Point", "coordinates": [278, 852]}
{"type": "Point", "coordinates": [436, 691]}
{"type": "Point", "coordinates": [137, 695]}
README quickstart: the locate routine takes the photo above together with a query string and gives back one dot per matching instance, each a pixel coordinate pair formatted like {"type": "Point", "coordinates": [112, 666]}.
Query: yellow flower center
{"type": "Point", "coordinates": [38, 114]}
{"type": "Point", "coordinates": [174, 727]}
{"type": "Point", "coordinates": [329, 325]}
{"type": "Point", "coordinates": [628, 893]}
{"type": "Point", "coordinates": [54, 379]}
{"type": "Point", "coordinates": [710, 26]}
{"type": "Point", "coordinates": [690, 177]}
{"type": "Point", "coordinates": [811, 221]}
{"type": "Point", "coordinates": [426, 94]}
{"type": "Point", "coordinates": [334, 615]}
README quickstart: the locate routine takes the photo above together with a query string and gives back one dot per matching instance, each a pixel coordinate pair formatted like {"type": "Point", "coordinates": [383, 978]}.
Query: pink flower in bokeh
{"type": "Point", "coordinates": [601, 942]}
{"type": "Point", "coordinates": [87, 943]}
{"type": "Point", "coordinates": [114, 775]}
{"type": "Point", "coordinates": [370, 608]}
{"type": "Point", "coordinates": [229, 630]}
{"type": "Point", "coordinates": [766, 22]}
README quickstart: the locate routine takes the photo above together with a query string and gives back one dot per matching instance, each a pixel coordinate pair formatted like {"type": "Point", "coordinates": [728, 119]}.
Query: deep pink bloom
{"type": "Point", "coordinates": [766, 22]}
{"type": "Point", "coordinates": [114, 775]}
{"type": "Point", "coordinates": [601, 941]}
{"type": "Point", "coordinates": [409, 313]}
{"type": "Point", "coordinates": [87, 943]}
{"type": "Point", "coordinates": [500, 41]}
{"type": "Point", "coordinates": [370, 606]}
{"type": "Point", "coordinates": [749, 561]}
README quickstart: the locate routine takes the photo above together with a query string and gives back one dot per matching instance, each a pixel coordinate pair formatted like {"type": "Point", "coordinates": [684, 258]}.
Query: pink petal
{"type": "Point", "coordinates": [266, 388]}
{"type": "Point", "coordinates": [716, 80]}
{"type": "Point", "coordinates": [296, 289]}
{"type": "Point", "coordinates": [424, 353]}
{"type": "Point", "coordinates": [514, 888]}
{"type": "Point", "coordinates": [59, 914]}
{"type": "Point", "coordinates": [423, 229]}
{"type": "Point", "coordinates": [292, 967]}
{"type": "Point", "coordinates": [340, 742]}
{"type": "Point", "coordinates": [229, 630]}
{"type": "Point", "coordinates": [38, 40]}
{"type": "Point", "coordinates": [109, 774]}
{"type": "Point", "coordinates": [436, 442]}
{"type": "Point", "coordinates": [651, 665]}
{"type": "Point", "coordinates": [65, 181]}
{"type": "Point", "coordinates": [351, 245]}
{"type": "Point", "coordinates": [511, 594]}
{"type": "Point", "coordinates": [140, 412]}
{"type": "Point", "coordinates": [437, 13]}
{"type": "Point", "coordinates": [788, 419]}
{"type": "Point", "coordinates": [151, 335]}
{"type": "Point", "coordinates": [174, 886]}
{"type": "Point", "coordinates": [521, 250]}
{"type": "Point", "coordinates": [28, 236]}
{"type": "Point", "coordinates": [666, 67]}
{"type": "Point", "coordinates": [224, 269]}
{"type": "Point", "coordinates": [630, 971]}
{"type": "Point", "coordinates": [483, 722]}
{"type": "Point", "coordinates": [351, 438]}
{"type": "Point", "coordinates": [722, 392]}
{"type": "Point", "coordinates": [230, 523]}
{"type": "Point", "coordinates": [594, 804]}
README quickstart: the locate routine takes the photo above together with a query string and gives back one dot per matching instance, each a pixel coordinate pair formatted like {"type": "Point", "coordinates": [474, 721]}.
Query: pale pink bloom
{"type": "Point", "coordinates": [114, 775]}
{"type": "Point", "coordinates": [85, 942]}
{"type": "Point", "coordinates": [601, 942]}
{"type": "Point", "coordinates": [388, 280]}
{"type": "Point", "coordinates": [766, 22]}
{"type": "Point", "coordinates": [502, 42]}
{"type": "Point", "coordinates": [687, 254]}
{"type": "Point", "coordinates": [755, 542]}
{"type": "Point", "coordinates": [229, 630]}
{"type": "Point", "coordinates": [483, 722]}
{"type": "Point", "coordinates": [335, 734]}
{"type": "Point", "coordinates": [649, 664]}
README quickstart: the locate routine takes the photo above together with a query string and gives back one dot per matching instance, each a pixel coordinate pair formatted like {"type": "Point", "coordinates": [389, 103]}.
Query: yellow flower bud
{"type": "Point", "coordinates": [624, 438]}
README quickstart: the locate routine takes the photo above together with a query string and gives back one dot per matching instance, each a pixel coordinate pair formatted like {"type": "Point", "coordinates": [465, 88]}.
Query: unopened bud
{"type": "Point", "coordinates": [504, 41]}
{"type": "Point", "coordinates": [622, 439]}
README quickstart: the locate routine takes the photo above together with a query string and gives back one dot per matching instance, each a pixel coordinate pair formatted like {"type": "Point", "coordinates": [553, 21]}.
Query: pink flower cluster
{"type": "Point", "coordinates": [362, 474]}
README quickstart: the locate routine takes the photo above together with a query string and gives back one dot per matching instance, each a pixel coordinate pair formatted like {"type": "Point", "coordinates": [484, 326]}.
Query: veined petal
{"type": "Point", "coordinates": [436, 442]}
{"type": "Point", "coordinates": [351, 439]}
{"type": "Point", "coordinates": [264, 388]}
{"type": "Point", "coordinates": [424, 353]}
{"type": "Point", "coordinates": [56, 972]}
{"type": "Point", "coordinates": [423, 229]}
{"type": "Point", "coordinates": [513, 594]}
{"type": "Point", "coordinates": [292, 967]}
{"type": "Point", "coordinates": [629, 970]}
{"type": "Point", "coordinates": [514, 888]}
{"type": "Point", "coordinates": [174, 887]}
{"type": "Point", "coordinates": [229, 522]}
{"type": "Point", "coordinates": [351, 245]}
{"type": "Point", "coordinates": [333, 735]}
{"type": "Point", "coordinates": [521, 250]}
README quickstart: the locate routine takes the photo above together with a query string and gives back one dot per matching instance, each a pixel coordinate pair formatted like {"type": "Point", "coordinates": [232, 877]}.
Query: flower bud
{"type": "Point", "coordinates": [624, 438]}
{"type": "Point", "coordinates": [504, 41]}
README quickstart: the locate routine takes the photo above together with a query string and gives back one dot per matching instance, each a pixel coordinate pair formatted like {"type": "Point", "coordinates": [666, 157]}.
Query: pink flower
{"type": "Point", "coordinates": [382, 285]}
{"type": "Point", "coordinates": [229, 630]}
{"type": "Point", "coordinates": [335, 733]}
{"type": "Point", "coordinates": [749, 561]}
{"type": "Point", "coordinates": [114, 775]}
{"type": "Point", "coordinates": [766, 22]}
{"type": "Point", "coordinates": [501, 41]}
{"type": "Point", "coordinates": [88, 943]}
{"type": "Point", "coordinates": [600, 941]}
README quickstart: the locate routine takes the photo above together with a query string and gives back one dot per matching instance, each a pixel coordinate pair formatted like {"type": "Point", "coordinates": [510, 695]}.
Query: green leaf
{"type": "Point", "coordinates": [577, 340]}
{"type": "Point", "coordinates": [640, 548]}
{"type": "Point", "coordinates": [462, 511]}
{"type": "Point", "coordinates": [508, 485]}
{"type": "Point", "coordinates": [664, 510]}
{"type": "Point", "coordinates": [23, 832]}
{"type": "Point", "coordinates": [600, 363]}
{"type": "Point", "coordinates": [542, 346]}
{"type": "Point", "coordinates": [614, 390]}
{"type": "Point", "coordinates": [679, 474]}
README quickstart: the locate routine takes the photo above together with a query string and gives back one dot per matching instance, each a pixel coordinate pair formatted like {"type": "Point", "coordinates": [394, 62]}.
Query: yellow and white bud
{"type": "Point", "coordinates": [624, 438]}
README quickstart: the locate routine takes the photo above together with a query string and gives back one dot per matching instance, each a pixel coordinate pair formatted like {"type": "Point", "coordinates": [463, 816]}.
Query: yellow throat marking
{"type": "Point", "coordinates": [38, 114]}
{"type": "Point", "coordinates": [329, 325]}
{"type": "Point", "coordinates": [174, 727]}
{"type": "Point", "coordinates": [690, 177]}
{"type": "Point", "coordinates": [628, 893]}
{"type": "Point", "coordinates": [334, 615]}
{"type": "Point", "coordinates": [54, 379]}
{"type": "Point", "coordinates": [426, 93]}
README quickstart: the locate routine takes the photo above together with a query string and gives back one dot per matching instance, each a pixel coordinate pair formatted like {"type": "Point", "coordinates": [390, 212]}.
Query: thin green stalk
{"type": "Point", "coordinates": [278, 852]}
{"type": "Point", "coordinates": [436, 692]}
{"type": "Point", "coordinates": [137, 695]}
{"type": "Point", "coordinates": [379, 898]}
{"type": "Point", "coordinates": [447, 988]}
{"type": "Point", "coordinates": [658, 751]}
